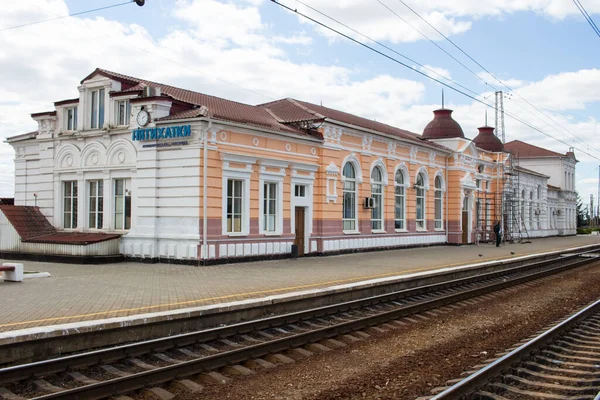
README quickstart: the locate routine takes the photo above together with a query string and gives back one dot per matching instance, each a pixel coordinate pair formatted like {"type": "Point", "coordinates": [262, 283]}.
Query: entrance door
{"type": "Point", "coordinates": [465, 227]}
{"type": "Point", "coordinates": [299, 221]}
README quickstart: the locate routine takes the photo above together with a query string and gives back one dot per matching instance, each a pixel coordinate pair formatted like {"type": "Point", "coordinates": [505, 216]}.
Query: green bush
{"type": "Point", "coordinates": [584, 231]}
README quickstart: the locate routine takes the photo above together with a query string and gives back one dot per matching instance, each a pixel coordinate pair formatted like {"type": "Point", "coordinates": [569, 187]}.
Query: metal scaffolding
{"type": "Point", "coordinates": [515, 227]}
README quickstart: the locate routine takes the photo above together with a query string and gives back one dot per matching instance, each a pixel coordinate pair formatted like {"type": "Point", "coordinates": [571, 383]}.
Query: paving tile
{"type": "Point", "coordinates": [86, 292]}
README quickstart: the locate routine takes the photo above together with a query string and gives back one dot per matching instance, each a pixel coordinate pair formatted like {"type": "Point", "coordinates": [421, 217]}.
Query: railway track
{"type": "Point", "coordinates": [122, 369]}
{"type": "Point", "coordinates": [561, 363]}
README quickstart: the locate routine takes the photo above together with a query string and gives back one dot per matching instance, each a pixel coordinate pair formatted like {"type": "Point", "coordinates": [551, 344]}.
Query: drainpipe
{"type": "Point", "coordinates": [446, 195]}
{"type": "Point", "coordinates": [501, 188]}
{"type": "Point", "coordinates": [204, 189]}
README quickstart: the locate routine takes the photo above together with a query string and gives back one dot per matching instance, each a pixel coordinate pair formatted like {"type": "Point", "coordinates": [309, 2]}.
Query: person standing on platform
{"type": "Point", "coordinates": [497, 232]}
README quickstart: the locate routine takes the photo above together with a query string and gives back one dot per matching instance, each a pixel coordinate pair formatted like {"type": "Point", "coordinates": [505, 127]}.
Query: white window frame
{"type": "Point", "coordinates": [244, 175]}
{"type": "Point", "coordinates": [378, 195]}
{"type": "Point", "coordinates": [271, 171]}
{"type": "Point", "coordinates": [126, 115]}
{"type": "Point", "coordinates": [74, 203]}
{"type": "Point", "coordinates": [404, 185]}
{"type": "Point", "coordinates": [70, 110]}
{"type": "Point", "coordinates": [231, 228]}
{"type": "Point", "coordinates": [97, 94]}
{"type": "Point", "coordinates": [422, 188]}
{"type": "Point", "coordinates": [126, 189]}
{"type": "Point", "coordinates": [300, 190]}
{"type": "Point", "coordinates": [354, 180]}
{"type": "Point", "coordinates": [439, 190]}
{"type": "Point", "coordinates": [97, 210]}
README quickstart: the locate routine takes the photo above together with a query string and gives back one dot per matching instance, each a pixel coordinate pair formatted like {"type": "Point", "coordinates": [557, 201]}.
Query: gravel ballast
{"type": "Point", "coordinates": [409, 361]}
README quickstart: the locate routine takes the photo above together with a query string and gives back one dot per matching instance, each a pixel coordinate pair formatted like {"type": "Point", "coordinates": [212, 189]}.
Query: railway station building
{"type": "Point", "coordinates": [170, 174]}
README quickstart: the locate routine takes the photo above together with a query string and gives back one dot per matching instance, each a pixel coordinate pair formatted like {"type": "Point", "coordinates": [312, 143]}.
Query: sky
{"type": "Point", "coordinates": [541, 53]}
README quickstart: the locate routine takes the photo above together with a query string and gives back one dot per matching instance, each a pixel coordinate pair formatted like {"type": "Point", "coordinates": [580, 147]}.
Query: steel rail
{"type": "Point", "coordinates": [474, 381]}
{"type": "Point", "coordinates": [45, 367]}
{"type": "Point", "coordinates": [187, 368]}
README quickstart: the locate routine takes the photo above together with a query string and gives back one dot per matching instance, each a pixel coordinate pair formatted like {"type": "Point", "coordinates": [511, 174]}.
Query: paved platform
{"type": "Point", "coordinates": [77, 293]}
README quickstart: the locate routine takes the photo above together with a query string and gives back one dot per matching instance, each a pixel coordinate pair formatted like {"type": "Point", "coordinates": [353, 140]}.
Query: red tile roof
{"type": "Point", "coordinates": [68, 101]}
{"type": "Point", "coordinates": [219, 108]}
{"type": "Point", "coordinates": [526, 150]}
{"type": "Point", "coordinates": [43, 113]}
{"type": "Point", "coordinates": [292, 110]}
{"type": "Point", "coordinates": [28, 221]}
{"type": "Point", "coordinates": [443, 126]}
{"type": "Point", "coordinates": [487, 140]}
{"type": "Point", "coordinates": [74, 238]}
{"type": "Point", "coordinates": [32, 226]}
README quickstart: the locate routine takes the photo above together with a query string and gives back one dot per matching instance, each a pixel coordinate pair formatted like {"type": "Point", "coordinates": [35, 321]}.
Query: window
{"type": "Point", "coordinates": [523, 208]}
{"type": "Point", "coordinates": [377, 195]}
{"type": "Point", "coordinates": [479, 214]}
{"type": "Point", "coordinates": [349, 201]}
{"type": "Point", "coordinates": [270, 207]}
{"type": "Point", "coordinates": [531, 209]}
{"type": "Point", "coordinates": [97, 114]}
{"type": "Point", "coordinates": [300, 191]}
{"type": "Point", "coordinates": [420, 186]}
{"type": "Point", "coordinates": [122, 204]}
{"type": "Point", "coordinates": [123, 111]}
{"type": "Point", "coordinates": [96, 205]}
{"type": "Point", "coordinates": [399, 206]}
{"type": "Point", "coordinates": [539, 192]}
{"type": "Point", "coordinates": [70, 204]}
{"type": "Point", "coordinates": [71, 119]}
{"type": "Point", "coordinates": [234, 205]}
{"type": "Point", "coordinates": [438, 202]}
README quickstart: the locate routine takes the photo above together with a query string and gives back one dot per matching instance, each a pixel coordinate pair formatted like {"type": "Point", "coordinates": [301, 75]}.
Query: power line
{"type": "Point", "coordinates": [434, 43]}
{"type": "Point", "coordinates": [322, 24]}
{"type": "Point", "coordinates": [587, 16]}
{"type": "Point", "coordinates": [486, 70]}
{"type": "Point", "coordinates": [464, 66]}
{"type": "Point", "coordinates": [67, 16]}
{"type": "Point", "coordinates": [187, 66]}
{"type": "Point", "coordinates": [386, 47]}
{"type": "Point", "coordinates": [577, 138]}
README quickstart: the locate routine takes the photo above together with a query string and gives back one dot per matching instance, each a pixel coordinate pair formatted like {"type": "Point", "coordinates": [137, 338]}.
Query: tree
{"type": "Point", "coordinates": [582, 213]}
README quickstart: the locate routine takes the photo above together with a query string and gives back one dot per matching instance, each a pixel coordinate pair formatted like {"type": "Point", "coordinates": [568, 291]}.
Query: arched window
{"type": "Point", "coordinates": [377, 195]}
{"type": "Point", "coordinates": [349, 200]}
{"type": "Point", "coordinates": [399, 205]}
{"type": "Point", "coordinates": [438, 202]}
{"type": "Point", "coordinates": [420, 187]}
{"type": "Point", "coordinates": [530, 210]}
{"type": "Point", "coordinates": [523, 208]}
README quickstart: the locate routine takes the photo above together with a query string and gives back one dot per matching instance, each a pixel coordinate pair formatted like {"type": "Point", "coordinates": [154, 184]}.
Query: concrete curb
{"type": "Point", "coordinates": [42, 332]}
{"type": "Point", "coordinates": [36, 343]}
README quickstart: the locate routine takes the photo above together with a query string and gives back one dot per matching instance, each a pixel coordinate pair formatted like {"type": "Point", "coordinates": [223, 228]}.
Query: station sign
{"type": "Point", "coordinates": [170, 132]}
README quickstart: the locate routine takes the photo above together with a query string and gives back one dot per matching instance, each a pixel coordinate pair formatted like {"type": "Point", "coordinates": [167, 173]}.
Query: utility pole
{"type": "Point", "coordinates": [591, 210]}
{"type": "Point", "coordinates": [500, 134]}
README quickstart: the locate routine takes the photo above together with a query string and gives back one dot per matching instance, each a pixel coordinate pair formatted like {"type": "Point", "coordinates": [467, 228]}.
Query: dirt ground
{"type": "Point", "coordinates": [408, 362]}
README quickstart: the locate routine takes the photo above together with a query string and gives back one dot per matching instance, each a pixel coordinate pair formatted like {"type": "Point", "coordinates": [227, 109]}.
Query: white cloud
{"type": "Point", "coordinates": [201, 54]}
{"type": "Point", "coordinates": [435, 72]}
{"type": "Point", "coordinates": [449, 17]}
{"type": "Point", "coordinates": [491, 80]}
{"type": "Point", "coordinates": [245, 53]}
{"type": "Point", "coordinates": [301, 39]}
